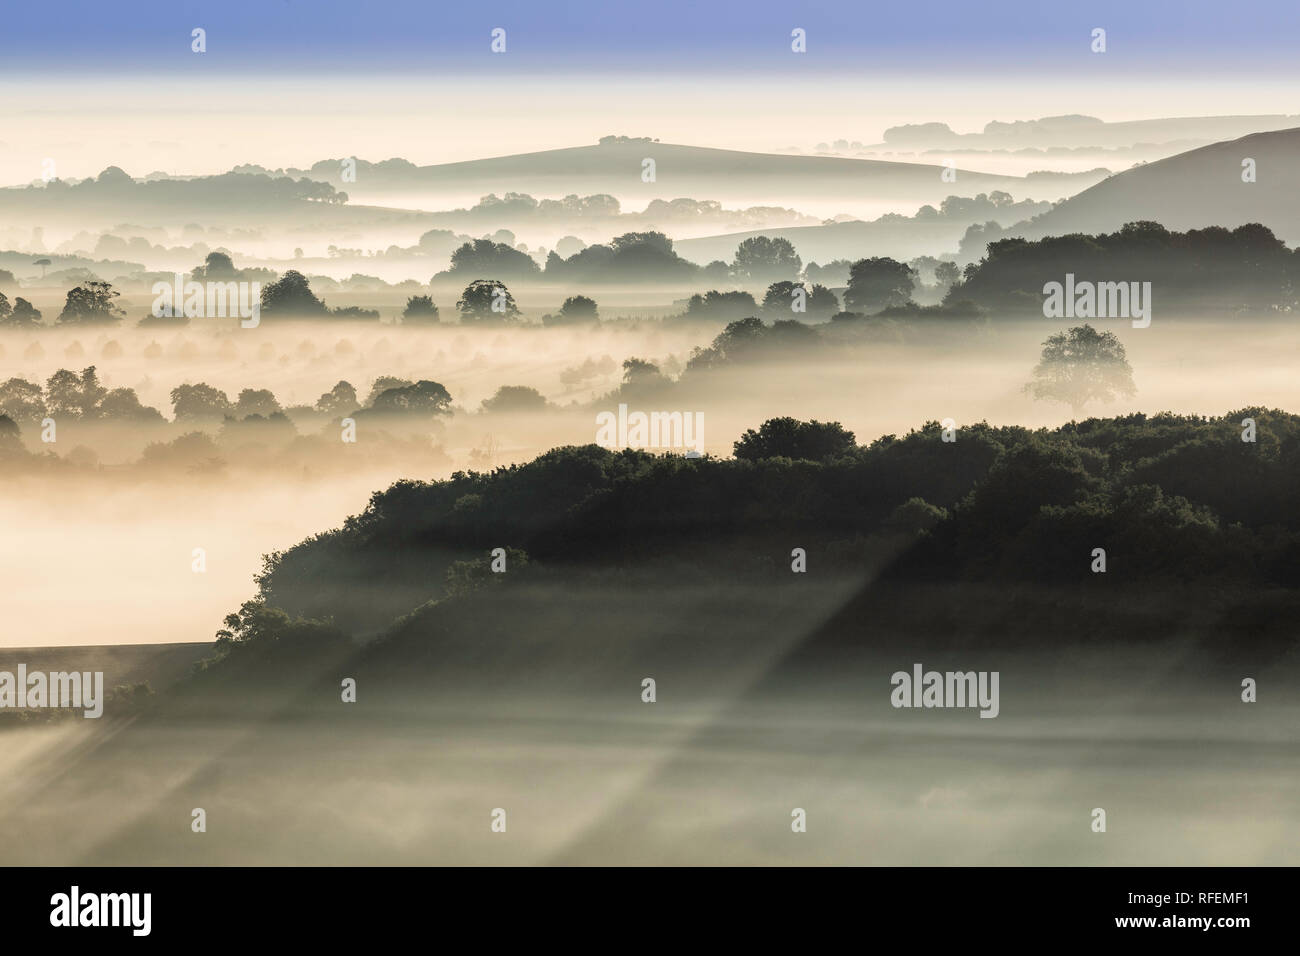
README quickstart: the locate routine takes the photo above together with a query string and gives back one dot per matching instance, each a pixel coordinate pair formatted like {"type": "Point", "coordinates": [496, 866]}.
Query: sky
{"type": "Point", "coordinates": [285, 82]}
{"type": "Point", "coordinates": [1187, 36]}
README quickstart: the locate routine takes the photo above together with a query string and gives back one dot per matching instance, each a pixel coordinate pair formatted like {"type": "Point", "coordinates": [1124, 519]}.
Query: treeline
{"type": "Point", "coordinates": [1241, 270]}
{"type": "Point", "coordinates": [1246, 270]}
{"type": "Point", "coordinates": [1172, 501]}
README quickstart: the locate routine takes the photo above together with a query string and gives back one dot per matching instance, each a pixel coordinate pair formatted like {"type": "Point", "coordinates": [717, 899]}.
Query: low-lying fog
{"type": "Point", "coordinates": [102, 555]}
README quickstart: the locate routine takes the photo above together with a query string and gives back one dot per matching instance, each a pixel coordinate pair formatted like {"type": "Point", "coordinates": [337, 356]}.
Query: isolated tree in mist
{"type": "Point", "coordinates": [42, 263]}
{"type": "Point", "coordinates": [419, 310]}
{"type": "Point", "coordinates": [1082, 365]}
{"type": "Point", "coordinates": [878, 283]}
{"type": "Point", "coordinates": [761, 257]}
{"type": "Point", "coordinates": [291, 295]}
{"type": "Point", "coordinates": [791, 438]}
{"type": "Point", "coordinates": [91, 304]}
{"type": "Point", "coordinates": [487, 300]}
{"type": "Point", "coordinates": [579, 308]}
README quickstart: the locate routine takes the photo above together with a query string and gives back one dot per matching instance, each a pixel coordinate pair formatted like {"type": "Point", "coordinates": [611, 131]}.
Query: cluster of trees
{"type": "Point", "coordinates": [1173, 500]}
{"type": "Point", "coordinates": [233, 187]}
{"type": "Point", "coordinates": [81, 396]}
{"type": "Point", "coordinates": [1246, 269]}
{"type": "Point", "coordinates": [21, 314]}
{"type": "Point", "coordinates": [72, 395]}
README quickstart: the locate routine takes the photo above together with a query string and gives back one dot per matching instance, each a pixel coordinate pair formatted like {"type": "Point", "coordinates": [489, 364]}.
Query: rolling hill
{"type": "Point", "coordinates": [1202, 187]}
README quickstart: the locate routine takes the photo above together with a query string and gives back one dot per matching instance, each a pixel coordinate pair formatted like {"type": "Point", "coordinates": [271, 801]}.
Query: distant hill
{"type": "Point", "coordinates": [1083, 131]}
{"type": "Point", "coordinates": [1202, 187]}
{"type": "Point", "coordinates": [616, 168]}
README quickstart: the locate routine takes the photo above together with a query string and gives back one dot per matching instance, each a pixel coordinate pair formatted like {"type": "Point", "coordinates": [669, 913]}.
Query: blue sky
{"type": "Point", "coordinates": [267, 36]}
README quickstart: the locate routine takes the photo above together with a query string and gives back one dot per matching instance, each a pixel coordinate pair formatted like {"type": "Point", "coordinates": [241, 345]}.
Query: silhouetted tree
{"type": "Point", "coordinates": [339, 400]}
{"type": "Point", "coordinates": [579, 308]}
{"type": "Point", "coordinates": [878, 283]}
{"type": "Point", "coordinates": [23, 314]}
{"type": "Point", "coordinates": [1082, 365]}
{"type": "Point", "coordinates": [763, 258]}
{"type": "Point", "coordinates": [487, 300]}
{"type": "Point", "coordinates": [72, 395]}
{"type": "Point", "coordinates": [291, 296]}
{"type": "Point", "coordinates": [199, 403]}
{"type": "Point", "coordinates": [419, 310]}
{"type": "Point", "coordinates": [424, 398]}
{"type": "Point", "coordinates": [23, 401]}
{"type": "Point", "coordinates": [91, 304]}
{"type": "Point", "coordinates": [515, 398]}
{"type": "Point", "coordinates": [256, 401]}
{"type": "Point", "coordinates": [790, 438]}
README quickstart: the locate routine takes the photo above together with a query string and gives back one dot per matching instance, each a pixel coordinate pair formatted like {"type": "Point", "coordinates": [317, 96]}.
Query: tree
{"type": "Point", "coordinates": [761, 257]}
{"type": "Point", "coordinates": [42, 263]}
{"type": "Point", "coordinates": [22, 401]}
{"type": "Point", "coordinates": [23, 314]}
{"type": "Point", "coordinates": [291, 295]}
{"type": "Point", "coordinates": [779, 301]}
{"type": "Point", "coordinates": [424, 397]}
{"type": "Point", "coordinates": [339, 400]}
{"type": "Point", "coordinates": [487, 300]}
{"type": "Point", "coordinates": [257, 401]}
{"type": "Point", "coordinates": [878, 283]}
{"type": "Point", "coordinates": [419, 310]}
{"type": "Point", "coordinates": [946, 274]}
{"type": "Point", "coordinates": [91, 304]}
{"type": "Point", "coordinates": [72, 395]}
{"type": "Point", "coordinates": [790, 438]}
{"type": "Point", "coordinates": [639, 373]}
{"type": "Point", "coordinates": [383, 384]}
{"type": "Point", "coordinates": [721, 305]}
{"type": "Point", "coordinates": [217, 265]}
{"type": "Point", "coordinates": [579, 308]}
{"type": "Point", "coordinates": [484, 255]}
{"type": "Point", "coordinates": [1082, 365]}
{"type": "Point", "coordinates": [199, 403]}
{"type": "Point", "coordinates": [515, 398]}
{"type": "Point", "coordinates": [6, 310]}
{"type": "Point", "coordinates": [122, 404]}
